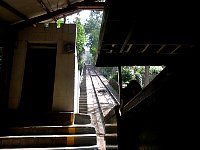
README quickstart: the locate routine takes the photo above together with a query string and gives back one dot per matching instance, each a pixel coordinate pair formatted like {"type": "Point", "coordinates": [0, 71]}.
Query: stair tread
{"type": "Point", "coordinates": [111, 124]}
{"type": "Point", "coordinates": [111, 147]}
{"type": "Point", "coordinates": [34, 136]}
{"type": "Point", "coordinates": [111, 134]}
{"type": "Point", "coordinates": [47, 141]}
{"type": "Point", "coordinates": [69, 129]}
{"type": "Point", "coordinates": [93, 147]}
{"type": "Point", "coordinates": [58, 126]}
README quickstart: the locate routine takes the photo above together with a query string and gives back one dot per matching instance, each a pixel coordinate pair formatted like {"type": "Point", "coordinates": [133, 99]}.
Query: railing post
{"type": "Point", "coordinates": [118, 111]}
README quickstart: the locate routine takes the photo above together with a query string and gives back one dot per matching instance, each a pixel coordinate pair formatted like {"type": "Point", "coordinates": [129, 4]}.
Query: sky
{"type": "Point", "coordinates": [84, 14]}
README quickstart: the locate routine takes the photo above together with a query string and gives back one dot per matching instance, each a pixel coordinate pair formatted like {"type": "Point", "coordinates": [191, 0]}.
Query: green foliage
{"type": "Point", "coordinates": [126, 75]}
{"type": "Point", "coordinates": [130, 72]}
{"type": "Point", "coordinates": [81, 39]}
{"type": "Point", "coordinates": [88, 35]}
{"type": "Point", "coordinates": [155, 69]}
{"type": "Point", "coordinates": [107, 71]}
{"type": "Point", "coordinates": [80, 42]}
{"type": "Point", "coordinates": [138, 78]}
{"type": "Point", "coordinates": [60, 22]}
{"type": "Point", "coordinates": [92, 30]}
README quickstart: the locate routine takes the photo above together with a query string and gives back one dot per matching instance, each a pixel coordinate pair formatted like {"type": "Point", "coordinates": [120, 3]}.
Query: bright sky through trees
{"type": "Point", "coordinates": [83, 15]}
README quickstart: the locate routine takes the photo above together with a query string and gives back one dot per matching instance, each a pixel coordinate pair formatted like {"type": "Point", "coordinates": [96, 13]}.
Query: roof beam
{"type": "Point", "coordinates": [13, 10]}
{"type": "Point", "coordinates": [118, 59]}
{"type": "Point", "coordinates": [127, 39]}
{"type": "Point", "coordinates": [43, 6]}
{"type": "Point", "coordinates": [68, 10]}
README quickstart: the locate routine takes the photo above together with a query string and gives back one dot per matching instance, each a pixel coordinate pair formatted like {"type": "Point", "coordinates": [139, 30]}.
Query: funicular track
{"type": "Point", "coordinates": [104, 99]}
{"type": "Point", "coordinates": [104, 95]}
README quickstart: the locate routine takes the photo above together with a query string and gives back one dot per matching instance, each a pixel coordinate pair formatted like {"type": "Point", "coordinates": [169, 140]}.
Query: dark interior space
{"type": "Point", "coordinates": [163, 116]}
{"type": "Point", "coordinates": [38, 82]}
{"type": "Point", "coordinates": [7, 45]}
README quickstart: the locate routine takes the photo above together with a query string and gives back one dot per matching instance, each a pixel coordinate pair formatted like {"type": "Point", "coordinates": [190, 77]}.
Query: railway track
{"type": "Point", "coordinates": [103, 98]}
{"type": "Point", "coordinates": [104, 95]}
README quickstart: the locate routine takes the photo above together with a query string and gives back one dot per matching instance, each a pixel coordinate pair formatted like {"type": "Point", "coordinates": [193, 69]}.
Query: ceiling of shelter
{"type": "Point", "coordinates": [148, 32]}
{"type": "Point", "coordinates": [22, 13]}
{"type": "Point", "coordinates": [134, 32]}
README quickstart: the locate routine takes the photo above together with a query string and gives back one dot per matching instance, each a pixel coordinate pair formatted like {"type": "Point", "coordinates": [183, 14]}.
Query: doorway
{"type": "Point", "coordinates": [39, 75]}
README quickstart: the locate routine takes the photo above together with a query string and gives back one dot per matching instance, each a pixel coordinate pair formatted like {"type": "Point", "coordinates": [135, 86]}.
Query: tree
{"type": "Point", "coordinates": [80, 42]}
{"type": "Point", "coordinates": [88, 35]}
{"type": "Point", "coordinates": [92, 30]}
{"type": "Point", "coordinates": [60, 22]}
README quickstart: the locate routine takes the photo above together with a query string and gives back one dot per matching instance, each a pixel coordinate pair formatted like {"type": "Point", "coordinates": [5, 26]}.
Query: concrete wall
{"type": "Point", "coordinates": [66, 65]}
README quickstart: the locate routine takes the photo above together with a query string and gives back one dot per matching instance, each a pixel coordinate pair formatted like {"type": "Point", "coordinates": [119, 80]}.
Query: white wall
{"type": "Point", "coordinates": [66, 72]}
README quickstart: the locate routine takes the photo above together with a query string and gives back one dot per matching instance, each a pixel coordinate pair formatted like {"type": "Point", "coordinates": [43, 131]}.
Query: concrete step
{"type": "Point", "coordinates": [48, 130]}
{"type": "Point", "coordinates": [111, 136]}
{"type": "Point", "coordinates": [83, 94]}
{"type": "Point", "coordinates": [82, 101]}
{"type": "Point", "coordinates": [111, 128]}
{"type": "Point", "coordinates": [93, 147]}
{"type": "Point", "coordinates": [83, 98]}
{"type": "Point", "coordinates": [111, 147]}
{"type": "Point", "coordinates": [82, 118]}
{"type": "Point", "coordinates": [46, 119]}
{"type": "Point", "coordinates": [38, 119]}
{"type": "Point", "coordinates": [111, 139]}
{"type": "Point", "coordinates": [83, 111]}
{"type": "Point", "coordinates": [82, 105]}
{"type": "Point", "coordinates": [28, 141]}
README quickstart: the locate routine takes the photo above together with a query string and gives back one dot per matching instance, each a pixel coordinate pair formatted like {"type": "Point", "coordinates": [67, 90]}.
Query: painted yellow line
{"type": "Point", "coordinates": [72, 118]}
{"type": "Point", "coordinates": [70, 141]}
{"type": "Point", "coordinates": [72, 130]}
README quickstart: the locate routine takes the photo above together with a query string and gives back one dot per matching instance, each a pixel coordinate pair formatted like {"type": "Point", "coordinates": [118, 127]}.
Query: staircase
{"type": "Point", "coordinates": [58, 130]}
{"type": "Point", "coordinates": [111, 136]}
{"type": "Point", "coordinates": [111, 130]}
{"type": "Point", "coordinates": [83, 94]}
